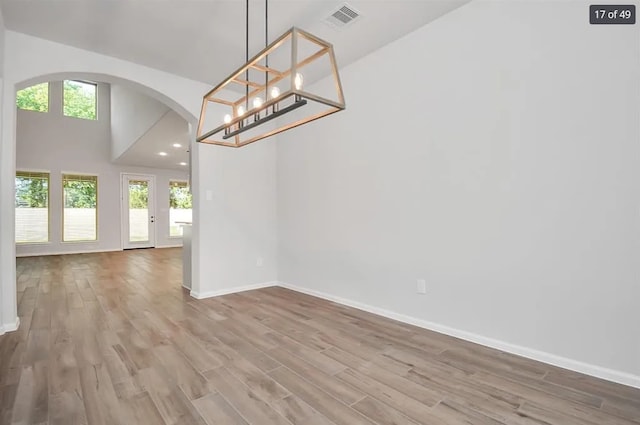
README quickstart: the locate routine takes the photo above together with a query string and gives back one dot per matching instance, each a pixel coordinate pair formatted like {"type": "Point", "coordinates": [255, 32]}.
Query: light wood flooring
{"type": "Point", "coordinates": [112, 339]}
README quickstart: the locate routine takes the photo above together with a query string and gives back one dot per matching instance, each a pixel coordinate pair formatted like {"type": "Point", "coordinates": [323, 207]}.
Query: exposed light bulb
{"type": "Point", "coordinates": [227, 119]}
{"type": "Point", "coordinates": [257, 102]}
{"type": "Point", "coordinates": [298, 81]}
{"type": "Point", "coordinates": [240, 110]}
{"type": "Point", "coordinates": [275, 92]}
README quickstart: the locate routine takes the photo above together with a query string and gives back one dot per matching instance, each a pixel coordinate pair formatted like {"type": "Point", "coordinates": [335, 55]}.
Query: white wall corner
{"type": "Point", "coordinates": [541, 356]}
{"type": "Point", "coordinates": [227, 291]}
{"type": "Point", "coordinates": [10, 327]}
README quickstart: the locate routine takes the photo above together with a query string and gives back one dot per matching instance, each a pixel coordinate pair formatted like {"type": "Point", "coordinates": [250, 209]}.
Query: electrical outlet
{"type": "Point", "coordinates": [422, 286]}
{"type": "Point", "coordinates": [259, 262]}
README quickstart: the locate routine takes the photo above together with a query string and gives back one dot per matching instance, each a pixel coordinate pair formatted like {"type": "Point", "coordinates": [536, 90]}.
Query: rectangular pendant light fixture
{"type": "Point", "coordinates": [267, 95]}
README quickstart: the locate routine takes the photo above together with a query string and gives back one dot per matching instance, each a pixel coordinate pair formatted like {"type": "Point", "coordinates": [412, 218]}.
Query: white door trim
{"type": "Point", "coordinates": [124, 210]}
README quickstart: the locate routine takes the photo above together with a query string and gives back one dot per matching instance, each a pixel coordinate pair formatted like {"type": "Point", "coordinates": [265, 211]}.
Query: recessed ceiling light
{"type": "Point", "coordinates": [177, 145]}
{"type": "Point", "coordinates": [163, 153]}
{"type": "Point", "coordinates": [183, 163]}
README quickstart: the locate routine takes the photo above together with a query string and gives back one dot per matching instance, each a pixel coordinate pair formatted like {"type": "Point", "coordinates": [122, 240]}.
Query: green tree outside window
{"type": "Point", "coordinates": [79, 99]}
{"type": "Point", "coordinates": [34, 98]}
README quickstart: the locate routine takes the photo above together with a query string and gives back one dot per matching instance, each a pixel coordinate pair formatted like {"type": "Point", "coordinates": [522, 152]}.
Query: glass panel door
{"type": "Point", "coordinates": [138, 211]}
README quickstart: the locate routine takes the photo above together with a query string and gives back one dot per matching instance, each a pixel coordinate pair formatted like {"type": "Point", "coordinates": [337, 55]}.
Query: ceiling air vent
{"type": "Point", "coordinates": [342, 16]}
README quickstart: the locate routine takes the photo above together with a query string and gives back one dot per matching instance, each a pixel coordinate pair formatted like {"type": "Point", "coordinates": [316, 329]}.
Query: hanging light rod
{"type": "Point", "coordinates": [238, 116]}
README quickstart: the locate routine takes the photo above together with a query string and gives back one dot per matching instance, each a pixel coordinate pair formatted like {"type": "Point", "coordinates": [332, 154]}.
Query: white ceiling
{"type": "Point", "coordinates": [170, 129]}
{"type": "Point", "coordinates": [204, 39]}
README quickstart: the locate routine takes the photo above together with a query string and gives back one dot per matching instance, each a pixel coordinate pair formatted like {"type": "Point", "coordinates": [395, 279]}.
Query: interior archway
{"type": "Point", "coordinates": [107, 78]}
{"type": "Point", "coordinates": [7, 251]}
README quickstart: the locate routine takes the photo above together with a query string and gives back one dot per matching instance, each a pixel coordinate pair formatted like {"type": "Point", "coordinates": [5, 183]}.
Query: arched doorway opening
{"type": "Point", "coordinates": [7, 247]}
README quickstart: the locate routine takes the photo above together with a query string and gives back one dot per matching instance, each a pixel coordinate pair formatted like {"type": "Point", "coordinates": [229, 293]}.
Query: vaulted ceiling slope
{"type": "Point", "coordinates": [204, 39]}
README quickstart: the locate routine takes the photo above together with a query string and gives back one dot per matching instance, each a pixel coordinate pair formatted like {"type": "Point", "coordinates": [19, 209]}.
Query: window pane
{"type": "Point", "coordinates": [179, 207]}
{"type": "Point", "coordinates": [80, 218]}
{"type": "Point", "coordinates": [80, 99]}
{"type": "Point", "coordinates": [32, 207]}
{"type": "Point", "coordinates": [34, 98]}
{"type": "Point", "coordinates": [138, 210]}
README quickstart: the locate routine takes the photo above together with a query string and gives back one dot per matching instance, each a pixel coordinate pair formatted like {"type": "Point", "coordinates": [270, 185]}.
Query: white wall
{"type": "Point", "coordinates": [494, 153]}
{"type": "Point", "coordinates": [242, 182]}
{"type": "Point", "coordinates": [2, 153]}
{"type": "Point", "coordinates": [2, 30]}
{"type": "Point", "coordinates": [132, 115]}
{"type": "Point", "coordinates": [71, 145]}
{"type": "Point", "coordinates": [242, 185]}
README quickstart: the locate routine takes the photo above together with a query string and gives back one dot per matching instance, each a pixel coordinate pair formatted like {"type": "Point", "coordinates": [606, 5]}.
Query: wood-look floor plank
{"type": "Point", "coordinates": [32, 396]}
{"type": "Point", "coordinates": [298, 412]}
{"type": "Point", "coordinates": [255, 410]}
{"type": "Point", "coordinates": [628, 409]}
{"type": "Point", "coordinates": [7, 400]}
{"type": "Point", "coordinates": [381, 413]}
{"type": "Point", "coordinates": [544, 416]}
{"type": "Point", "coordinates": [325, 382]}
{"type": "Point", "coordinates": [260, 383]}
{"type": "Point", "coordinates": [141, 409]}
{"type": "Point", "coordinates": [586, 384]}
{"type": "Point", "coordinates": [248, 350]}
{"type": "Point", "coordinates": [12, 352]}
{"type": "Point", "coordinates": [451, 412]}
{"type": "Point", "coordinates": [418, 392]}
{"type": "Point", "coordinates": [100, 401]}
{"type": "Point", "coordinates": [64, 374]}
{"type": "Point", "coordinates": [175, 365]}
{"type": "Point", "coordinates": [416, 410]}
{"type": "Point", "coordinates": [516, 393]}
{"type": "Point", "coordinates": [173, 405]}
{"type": "Point", "coordinates": [215, 410]}
{"type": "Point", "coordinates": [322, 402]}
{"type": "Point", "coordinates": [554, 390]}
{"type": "Point", "coordinates": [113, 338]}
{"type": "Point", "coordinates": [67, 408]}
{"type": "Point", "coordinates": [465, 390]}
{"type": "Point", "coordinates": [201, 358]}
{"type": "Point", "coordinates": [319, 360]}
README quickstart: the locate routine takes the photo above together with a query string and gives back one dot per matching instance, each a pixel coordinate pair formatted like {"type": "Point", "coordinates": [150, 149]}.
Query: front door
{"type": "Point", "coordinates": [138, 215]}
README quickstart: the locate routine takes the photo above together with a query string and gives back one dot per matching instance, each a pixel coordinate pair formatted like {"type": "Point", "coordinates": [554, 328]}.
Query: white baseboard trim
{"type": "Point", "coordinates": [169, 246]}
{"type": "Point", "coordinates": [10, 327]}
{"type": "Point", "coordinates": [541, 356]}
{"type": "Point", "coordinates": [44, 254]}
{"type": "Point", "coordinates": [227, 291]}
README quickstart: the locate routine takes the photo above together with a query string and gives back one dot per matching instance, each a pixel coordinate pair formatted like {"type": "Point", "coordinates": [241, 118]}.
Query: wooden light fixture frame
{"type": "Point", "coordinates": [236, 126]}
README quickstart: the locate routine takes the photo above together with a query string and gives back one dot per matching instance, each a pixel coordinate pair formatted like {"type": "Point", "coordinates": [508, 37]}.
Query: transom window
{"type": "Point", "coordinates": [79, 99]}
{"type": "Point", "coordinates": [34, 98]}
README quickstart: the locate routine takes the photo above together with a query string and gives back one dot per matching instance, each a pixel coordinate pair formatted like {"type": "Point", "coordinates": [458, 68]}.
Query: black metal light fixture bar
{"type": "Point", "coordinates": [266, 118]}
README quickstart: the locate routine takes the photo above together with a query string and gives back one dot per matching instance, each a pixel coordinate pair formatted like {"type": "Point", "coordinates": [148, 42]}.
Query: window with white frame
{"type": "Point", "coordinates": [80, 99]}
{"type": "Point", "coordinates": [179, 207]}
{"type": "Point", "coordinates": [32, 207]}
{"type": "Point", "coordinates": [34, 98]}
{"type": "Point", "coordinates": [80, 215]}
